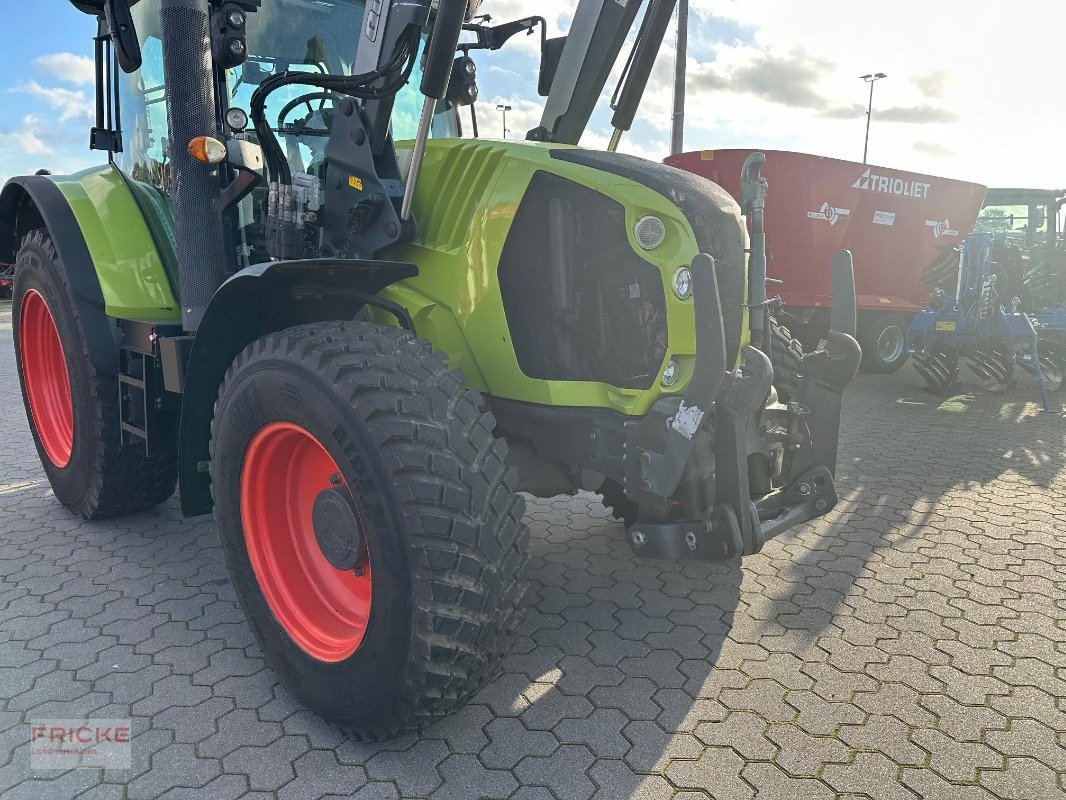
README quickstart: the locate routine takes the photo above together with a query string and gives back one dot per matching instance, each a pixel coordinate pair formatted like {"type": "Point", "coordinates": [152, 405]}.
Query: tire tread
{"type": "Point", "coordinates": [123, 479]}
{"type": "Point", "coordinates": [465, 536]}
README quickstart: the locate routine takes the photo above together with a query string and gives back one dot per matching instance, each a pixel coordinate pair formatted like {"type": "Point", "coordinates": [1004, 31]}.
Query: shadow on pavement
{"type": "Point", "coordinates": [913, 465]}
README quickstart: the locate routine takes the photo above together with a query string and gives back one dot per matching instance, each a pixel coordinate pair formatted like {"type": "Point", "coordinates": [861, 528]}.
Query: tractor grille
{"type": "Point", "coordinates": [580, 303]}
{"type": "Point", "coordinates": [712, 213]}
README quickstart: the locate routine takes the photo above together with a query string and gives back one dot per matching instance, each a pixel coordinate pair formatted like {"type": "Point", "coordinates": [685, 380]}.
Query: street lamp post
{"type": "Point", "coordinates": [870, 79]}
{"type": "Point", "coordinates": [504, 109]}
{"type": "Point", "coordinates": [677, 134]}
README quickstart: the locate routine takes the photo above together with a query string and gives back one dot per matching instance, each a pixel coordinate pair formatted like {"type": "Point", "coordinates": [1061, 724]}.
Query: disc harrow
{"type": "Point", "coordinates": [940, 369]}
{"type": "Point", "coordinates": [993, 365]}
{"type": "Point", "coordinates": [977, 331]}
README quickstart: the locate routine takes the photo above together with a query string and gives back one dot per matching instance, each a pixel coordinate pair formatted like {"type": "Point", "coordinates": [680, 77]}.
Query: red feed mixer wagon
{"type": "Point", "coordinates": [899, 227]}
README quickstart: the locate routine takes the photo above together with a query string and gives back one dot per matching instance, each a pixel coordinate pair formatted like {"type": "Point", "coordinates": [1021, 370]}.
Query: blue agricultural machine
{"type": "Point", "coordinates": [1007, 307]}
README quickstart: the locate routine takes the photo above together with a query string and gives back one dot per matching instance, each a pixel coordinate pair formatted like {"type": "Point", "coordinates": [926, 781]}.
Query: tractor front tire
{"type": "Point", "coordinates": [392, 607]}
{"type": "Point", "coordinates": [72, 408]}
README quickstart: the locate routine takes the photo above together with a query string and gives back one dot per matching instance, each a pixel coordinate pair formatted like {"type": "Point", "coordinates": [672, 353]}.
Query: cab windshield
{"type": "Point", "coordinates": [300, 35]}
{"type": "Point", "coordinates": [1013, 218]}
{"type": "Point", "coordinates": [315, 36]}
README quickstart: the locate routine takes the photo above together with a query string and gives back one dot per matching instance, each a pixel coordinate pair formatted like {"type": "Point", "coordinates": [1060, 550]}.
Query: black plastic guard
{"type": "Point", "coordinates": [742, 394]}
{"type": "Point", "coordinates": [658, 446]}
{"type": "Point", "coordinates": [826, 374]}
{"type": "Point", "coordinates": [258, 300]}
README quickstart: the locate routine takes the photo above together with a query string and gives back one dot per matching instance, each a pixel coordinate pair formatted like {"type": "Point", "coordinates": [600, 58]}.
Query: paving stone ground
{"type": "Point", "coordinates": [910, 645]}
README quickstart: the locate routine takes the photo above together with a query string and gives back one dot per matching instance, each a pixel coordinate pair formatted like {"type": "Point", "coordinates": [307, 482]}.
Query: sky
{"type": "Point", "coordinates": [975, 90]}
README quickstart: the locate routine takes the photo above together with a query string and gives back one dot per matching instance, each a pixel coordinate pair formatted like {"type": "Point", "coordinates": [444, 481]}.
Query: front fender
{"type": "Point", "coordinates": [254, 302]}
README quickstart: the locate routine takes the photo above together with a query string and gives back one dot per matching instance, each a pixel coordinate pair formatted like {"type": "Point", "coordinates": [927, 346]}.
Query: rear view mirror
{"type": "Point", "coordinates": [551, 52]}
{"type": "Point", "coordinates": [123, 34]}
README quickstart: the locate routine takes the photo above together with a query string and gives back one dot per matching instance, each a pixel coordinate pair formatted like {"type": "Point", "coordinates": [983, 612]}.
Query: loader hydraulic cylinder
{"type": "Point", "coordinates": [435, 76]}
{"type": "Point", "coordinates": [638, 70]}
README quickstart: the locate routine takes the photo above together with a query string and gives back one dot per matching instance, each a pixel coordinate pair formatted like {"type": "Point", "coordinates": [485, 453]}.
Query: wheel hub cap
{"type": "Point", "coordinates": [337, 527]}
{"type": "Point", "coordinates": [890, 344]}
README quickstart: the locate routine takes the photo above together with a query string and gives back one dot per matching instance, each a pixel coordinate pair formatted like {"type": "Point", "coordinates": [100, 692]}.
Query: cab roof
{"type": "Point", "coordinates": [1003, 196]}
{"type": "Point", "coordinates": [93, 7]}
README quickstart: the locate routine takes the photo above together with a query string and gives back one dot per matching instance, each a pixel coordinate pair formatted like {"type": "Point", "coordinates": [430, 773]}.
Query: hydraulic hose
{"type": "Point", "coordinates": [351, 85]}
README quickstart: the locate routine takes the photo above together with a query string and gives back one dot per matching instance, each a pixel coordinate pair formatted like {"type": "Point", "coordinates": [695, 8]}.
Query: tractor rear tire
{"type": "Point", "coordinates": [399, 609]}
{"type": "Point", "coordinates": [73, 409]}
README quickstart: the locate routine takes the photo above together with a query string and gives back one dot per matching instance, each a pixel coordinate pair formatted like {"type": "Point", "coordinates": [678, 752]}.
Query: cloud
{"type": "Point", "coordinates": [72, 105]}
{"type": "Point", "coordinates": [704, 76]}
{"type": "Point", "coordinates": [651, 150]}
{"type": "Point", "coordinates": [29, 138]}
{"type": "Point", "coordinates": [915, 115]}
{"type": "Point", "coordinates": [790, 79]}
{"type": "Point", "coordinates": [524, 115]}
{"type": "Point", "coordinates": [932, 84]}
{"type": "Point", "coordinates": [934, 149]}
{"type": "Point", "coordinates": [68, 67]}
{"type": "Point", "coordinates": [853, 111]}
{"type": "Point", "coordinates": [510, 73]}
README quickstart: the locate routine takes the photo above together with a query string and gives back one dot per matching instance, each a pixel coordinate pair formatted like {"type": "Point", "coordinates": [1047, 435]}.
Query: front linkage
{"type": "Point", "coordinates": [754, 448]}
{"type": "Point", "coordinates": [717, 478]}
{"type": "Point", "coordinates": [771, 425]}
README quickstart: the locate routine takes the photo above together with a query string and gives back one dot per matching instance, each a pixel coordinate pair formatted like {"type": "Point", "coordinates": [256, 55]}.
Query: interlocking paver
{"type": "Point", "coordinates": [802, 755]}
{"type": "Point", "coordinates": [909, 645]}
{"type": "Point", "coordinates": [869, 775]}
{"type": "Point", "coordinates": [563, 772]}
{"type": "Point", "coordinates": [510, 742]}
{"type": "Point", "coordinates": [717, 770]}
{"type": "Point", "coordinates": [770, 782]}
{"type": "Point", "coordinates": [465, 777]}
{"type": "Point", "coordinates": [1024, 779]}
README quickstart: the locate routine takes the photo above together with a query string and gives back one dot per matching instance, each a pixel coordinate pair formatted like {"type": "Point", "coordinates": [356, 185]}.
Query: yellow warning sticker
{"type": "Point", "coordinates": [945, 326]}
{"type": "Point", "coordinates": [706, 155]}
{"type": "Point", "coordinates": [355, 183]}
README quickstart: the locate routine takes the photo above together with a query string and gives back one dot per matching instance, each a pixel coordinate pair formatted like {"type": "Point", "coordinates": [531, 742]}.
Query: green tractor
{"type": "Point", "coordinates": [295, 291]}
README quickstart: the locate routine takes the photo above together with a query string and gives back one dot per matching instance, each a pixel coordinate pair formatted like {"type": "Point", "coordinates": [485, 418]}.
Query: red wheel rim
{"type": "Point", "coordinates": [324, 610]}
{"type": "Point", "coordinates": [44, 373]}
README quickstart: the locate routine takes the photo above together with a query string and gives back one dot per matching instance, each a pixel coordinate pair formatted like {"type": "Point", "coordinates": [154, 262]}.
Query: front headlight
{"type": "Point", "coordinates": [649, 232]}
{"type": "Point", "coordinates": [683, 283]}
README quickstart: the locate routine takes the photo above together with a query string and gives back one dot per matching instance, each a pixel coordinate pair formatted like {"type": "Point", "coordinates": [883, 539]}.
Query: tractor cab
{"type": "Point", "coordinates": [287, 35]}
{"type": "Point", "coordinates": [282, 36]}
{"type": "Point", "coordinates": [1026, 229]}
